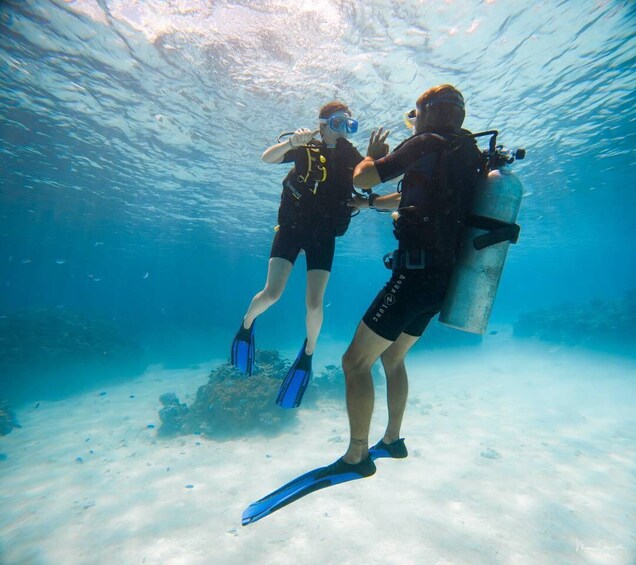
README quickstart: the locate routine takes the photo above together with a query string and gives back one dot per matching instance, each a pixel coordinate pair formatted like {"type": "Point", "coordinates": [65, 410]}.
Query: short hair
{"type": "Point", "coordinates": [447, 103]}
{"type": "Point", "coordinates": [332, 107]}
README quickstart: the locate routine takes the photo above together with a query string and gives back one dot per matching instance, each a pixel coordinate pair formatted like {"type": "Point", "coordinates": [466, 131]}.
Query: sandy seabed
{"type": "Point", "coordinates": [520, 453]}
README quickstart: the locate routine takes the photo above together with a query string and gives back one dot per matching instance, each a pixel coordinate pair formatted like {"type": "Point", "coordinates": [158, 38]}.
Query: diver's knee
{"type": "Point", "coordinates": [314, 306]}
{"type": "Point", "coordinates": [271, 295]}
{"type": "Point", "coordinates": [390, 361]}
{"type": "Point", "coordinates": [353, 362]}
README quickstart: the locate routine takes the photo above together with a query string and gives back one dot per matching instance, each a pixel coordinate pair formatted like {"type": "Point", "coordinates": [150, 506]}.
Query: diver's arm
{"type": "Point", "coordinates": [276, 153]}
{"type": "Point", "coordinates": [365, 175]}
{"type": "Point", "coordinates": [384, 202]}
{"type": "Point", "coordinates": [387, 201]}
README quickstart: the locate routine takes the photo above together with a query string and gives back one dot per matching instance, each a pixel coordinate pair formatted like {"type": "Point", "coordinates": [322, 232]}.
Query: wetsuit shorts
{"type": "Point", "coordinates": [407, 303]}
{"type": "Point", "coordinates": [319, 250]}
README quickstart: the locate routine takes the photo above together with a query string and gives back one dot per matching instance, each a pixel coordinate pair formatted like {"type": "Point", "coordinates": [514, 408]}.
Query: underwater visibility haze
{"type": "Point", "coordinates": [136, 219]}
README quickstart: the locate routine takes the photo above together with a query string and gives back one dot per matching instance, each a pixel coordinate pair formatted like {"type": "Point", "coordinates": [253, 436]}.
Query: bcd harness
{"type": "Point", "coordinates": [316, 168]}
{"type": "Point", "coordinates": [315, 174]}
{"type": "Point", "coordinates": [309, 179]}
{"type": "Point", "coordinates": [497, 231]}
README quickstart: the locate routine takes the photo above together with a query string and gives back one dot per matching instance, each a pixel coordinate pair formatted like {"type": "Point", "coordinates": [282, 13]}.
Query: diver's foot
{"type": "Point", "coordinates": [394, 450]}
{"type": "Point", "coordinates": [243, 350]}
{"type": "Point", "coordinates": [364, 468]}
{"type": "Point", "coordinates": [244, 332]}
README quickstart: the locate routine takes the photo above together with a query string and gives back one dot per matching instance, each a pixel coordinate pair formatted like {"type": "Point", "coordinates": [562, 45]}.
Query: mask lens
{"type": "Point", "coordinates": [410, 119]}
{"type": "Point", "coordinates": [337, 123]}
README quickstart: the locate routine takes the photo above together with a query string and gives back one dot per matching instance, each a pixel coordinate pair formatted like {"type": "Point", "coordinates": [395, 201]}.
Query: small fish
{"type": "Point", "coordinates": [146, 275]}
{"type": "Point", "coordinates": [98, 243]}
{"type": "Point", "coordinates": [26, 261]}
{"type": "Point", "coordinates": [37, 405]}
{"type": "Point", "coordinates": [60, 261]}
{"type": "Point", "coordinates": [493, 332]}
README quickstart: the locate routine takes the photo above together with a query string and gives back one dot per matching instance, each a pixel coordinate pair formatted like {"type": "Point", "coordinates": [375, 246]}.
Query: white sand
{"type": "Point", "coordinates": [519, 453]}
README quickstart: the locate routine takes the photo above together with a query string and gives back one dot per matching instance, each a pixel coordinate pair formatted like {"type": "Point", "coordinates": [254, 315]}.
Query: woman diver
{"type": "Point", "coordinates": [314, 210]}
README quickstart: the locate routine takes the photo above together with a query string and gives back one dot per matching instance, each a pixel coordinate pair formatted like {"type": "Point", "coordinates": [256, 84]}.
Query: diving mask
{"type": "Point", "coordinates": [410, 118]}
{"type": "Point", "coordinates": [339, 123]}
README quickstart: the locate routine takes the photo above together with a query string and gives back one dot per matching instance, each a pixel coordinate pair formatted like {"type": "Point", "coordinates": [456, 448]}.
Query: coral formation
{"type": "Point", "coordinates": [172, 414]}
{"type": "Point", "coordinates": [597, 323]}
{"type": "Point", "coordinates": [231, 403]}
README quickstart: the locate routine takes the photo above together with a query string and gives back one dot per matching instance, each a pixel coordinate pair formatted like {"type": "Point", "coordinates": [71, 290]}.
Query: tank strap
{"type": "Point", "coordinates": [409, 259]}
{"type": "Point", "coordinates": [496, 231]}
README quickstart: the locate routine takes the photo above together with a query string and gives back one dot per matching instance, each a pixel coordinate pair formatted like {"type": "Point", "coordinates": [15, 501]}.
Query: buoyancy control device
{"type": "Point", "coordinates": [489, 230]}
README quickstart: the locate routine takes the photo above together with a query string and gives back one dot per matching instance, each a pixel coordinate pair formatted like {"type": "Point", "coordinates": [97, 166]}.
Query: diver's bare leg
{"type": "Point", "coordinates": [277, 276]}
{"type": "Point", "coordinates": [397, 384]}
{"type": "Point", "coordinates": [357, 361]}
{"type": "Point", "coordinates": [317, 280]}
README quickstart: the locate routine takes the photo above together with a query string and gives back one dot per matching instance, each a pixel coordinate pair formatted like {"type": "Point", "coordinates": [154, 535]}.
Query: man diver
{"type": "Point", "coordinates": [313, 211]}
{"type": "Point", "coordinates": [433, 203]}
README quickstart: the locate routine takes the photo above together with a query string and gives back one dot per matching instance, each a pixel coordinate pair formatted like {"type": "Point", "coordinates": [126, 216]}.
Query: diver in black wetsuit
{"type": "Point", "coordinates": [314, 210]}
{"type": "Point", "coordinates": [433, 204]}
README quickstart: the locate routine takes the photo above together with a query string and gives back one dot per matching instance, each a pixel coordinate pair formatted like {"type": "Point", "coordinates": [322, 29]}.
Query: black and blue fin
{"type": "Point", "coordinates": [323, 477]}
{"type": "Point", "coordinates": [295, 383]}
{"type": "Point", "coordinates": [243, 350]}
{"type": "Point", "coordinates": [394, 450]}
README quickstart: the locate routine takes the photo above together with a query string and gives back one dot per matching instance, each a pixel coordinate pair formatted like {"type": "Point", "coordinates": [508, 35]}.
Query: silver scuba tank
{"type": "Point", "coordinates": [488, 233]}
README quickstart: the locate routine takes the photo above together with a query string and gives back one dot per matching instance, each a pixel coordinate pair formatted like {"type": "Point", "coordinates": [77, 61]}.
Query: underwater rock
{"type": "Point", "coordinates": [230, 403]}
{"type": "Point", "coordinates": [596, 323]}
{"type": "Point", "coordinates": [8, 419]}
{"type": "Point", "coordinates": [172, 414]}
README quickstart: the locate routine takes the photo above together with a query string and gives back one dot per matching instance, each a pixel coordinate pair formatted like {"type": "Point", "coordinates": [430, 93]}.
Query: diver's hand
{"type": "Point", "coordinates": [301, 137]}
{"type": "Point", "coordinates": [377, 146]}
{"type": "Point", "coordinates": [358, 202]}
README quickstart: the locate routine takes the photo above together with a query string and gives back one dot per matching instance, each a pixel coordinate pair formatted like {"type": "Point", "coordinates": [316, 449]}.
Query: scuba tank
{"type": "Point", "coordinates": [489, 230]}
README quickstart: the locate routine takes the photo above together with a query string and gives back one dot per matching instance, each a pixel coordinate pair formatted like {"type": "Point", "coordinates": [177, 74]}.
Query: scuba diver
{"type": "Point", "coordinates": [314, 210]}
{"type": "Point", "coordinates": [433, 202]}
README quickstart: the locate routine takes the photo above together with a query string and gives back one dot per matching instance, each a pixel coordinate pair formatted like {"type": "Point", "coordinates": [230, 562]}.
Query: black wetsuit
{"type": "Point", "coordinates": [313, 209]}
{"type": "Point", "coordinates": [436, 195]}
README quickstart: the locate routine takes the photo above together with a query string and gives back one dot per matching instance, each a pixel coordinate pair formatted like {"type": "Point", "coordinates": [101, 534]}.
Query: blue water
{"type": "Point", "coordinates": [132, 186]}
{"type": "Point", "coordinates": [131, 134]}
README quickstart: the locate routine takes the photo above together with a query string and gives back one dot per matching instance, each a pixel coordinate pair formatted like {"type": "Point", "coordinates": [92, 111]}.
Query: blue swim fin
{"type": "Point", "coordinates": [243, 350]}
{"type": "Point", "coordinates": [293, 388]}
{"type": "Point", "coordinates": [394, 450]}
{"type": "Point", "coordinates": [323, 477]}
